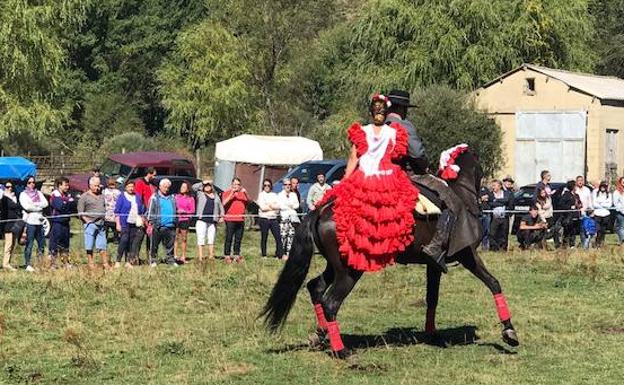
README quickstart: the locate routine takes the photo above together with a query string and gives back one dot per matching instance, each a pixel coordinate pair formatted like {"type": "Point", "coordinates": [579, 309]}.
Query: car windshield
{"type": "Point", "coordinates": [112, 168]}
{"type": "Point", "coordinates": [525, 193]}
{"type": "Point", "coordinates": [306, 173]}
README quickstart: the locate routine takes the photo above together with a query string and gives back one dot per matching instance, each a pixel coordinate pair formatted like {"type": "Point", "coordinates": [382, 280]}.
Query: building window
{"type": "Point", "coordinates": [529, 86]}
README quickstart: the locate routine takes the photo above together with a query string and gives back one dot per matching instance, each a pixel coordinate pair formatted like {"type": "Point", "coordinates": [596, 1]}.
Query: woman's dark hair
{"type": "Point", "coordinates": [188, 187]}
{"type": "Point", "coordinates": [236, 179]}
{"type": "Point", "coordinates": [128, 182]}
{"type": "Point", "coordinates": [570, 185]}
{"type": "Point", "coordinates": [538, 197]}
{"type": "Point", "coordinates": [267, 180]}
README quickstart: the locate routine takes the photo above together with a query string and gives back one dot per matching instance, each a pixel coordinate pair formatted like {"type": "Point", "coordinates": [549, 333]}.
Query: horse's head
{"type": "Point", "coordinates": [468, 181]}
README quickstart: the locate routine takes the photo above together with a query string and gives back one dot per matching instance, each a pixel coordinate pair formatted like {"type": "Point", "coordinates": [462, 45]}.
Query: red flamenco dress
{"type": "Point", "coordinates": [373, 207]}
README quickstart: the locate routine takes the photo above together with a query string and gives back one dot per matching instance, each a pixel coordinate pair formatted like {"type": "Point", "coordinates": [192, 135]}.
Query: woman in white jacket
{"type": "Point", "coordinates": [33, 202]}
{"type": "Point", "coordinates": [289, 203]}
{"type": "Point", "coordinates": [268, 211]}
{"type": "Point", "coordinates": [603, 201]}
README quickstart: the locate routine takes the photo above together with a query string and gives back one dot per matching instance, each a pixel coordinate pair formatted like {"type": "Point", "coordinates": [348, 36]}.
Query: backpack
{"type": "Point", "coordinates": [589, 226]}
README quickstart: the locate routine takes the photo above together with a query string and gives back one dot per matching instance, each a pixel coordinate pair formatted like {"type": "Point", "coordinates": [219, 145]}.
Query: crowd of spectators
{"type": "Point", "coordinates": [574, 209]}
{"type": "Point", "coordinates": [142, 212]}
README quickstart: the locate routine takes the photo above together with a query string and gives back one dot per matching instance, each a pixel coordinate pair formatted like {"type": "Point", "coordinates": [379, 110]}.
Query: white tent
{"type": "Point", "coordinates": [268, 150]}
{"type": "Point", "coordinates": [255, 157]}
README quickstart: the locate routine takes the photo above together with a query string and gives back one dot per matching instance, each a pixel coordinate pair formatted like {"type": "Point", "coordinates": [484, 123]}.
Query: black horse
{"type": "Point", "coordinates": [330, 289]}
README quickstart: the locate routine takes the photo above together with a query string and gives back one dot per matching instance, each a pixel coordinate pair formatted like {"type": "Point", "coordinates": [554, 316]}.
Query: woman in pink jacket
{"type": "Point", "coordinates": [185, 207]}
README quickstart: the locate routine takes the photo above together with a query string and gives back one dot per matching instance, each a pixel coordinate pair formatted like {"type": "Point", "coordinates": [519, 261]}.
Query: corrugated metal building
{"type": "Point", "coordinates": [569, 123]}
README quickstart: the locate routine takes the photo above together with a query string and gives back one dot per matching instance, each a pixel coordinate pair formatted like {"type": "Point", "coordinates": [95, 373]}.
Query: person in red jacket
{"type": "Point", "coordinates": [145, 188]}
{"type": "Point", "coordinates": [234, 201]}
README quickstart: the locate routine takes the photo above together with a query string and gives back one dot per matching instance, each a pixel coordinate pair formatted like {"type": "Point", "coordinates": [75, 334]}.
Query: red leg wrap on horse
{"type": "Point", "coordinates": [321, 322]}
{"type": "Point", "coordinates": [335, 341]}
{"type": "Point", "coordinates": [430, 323]}
{"type": "Point", "coordinates": [501, 307]}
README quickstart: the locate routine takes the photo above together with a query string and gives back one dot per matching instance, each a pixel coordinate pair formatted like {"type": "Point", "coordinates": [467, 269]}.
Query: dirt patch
{"type": "Point", "coordinates": [613, 330]}
{"type": "Point", "coordinates": [236, 369]}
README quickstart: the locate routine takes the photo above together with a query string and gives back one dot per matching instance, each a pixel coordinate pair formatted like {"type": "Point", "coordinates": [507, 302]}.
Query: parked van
{"type": "Point", "coordinates": [306, 172]}
{"type": "Point", "coordinates": [134, 165]}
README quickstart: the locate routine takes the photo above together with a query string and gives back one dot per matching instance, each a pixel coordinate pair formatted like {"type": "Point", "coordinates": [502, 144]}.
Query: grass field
{"type": "Point", "coordinates": [196, 325]}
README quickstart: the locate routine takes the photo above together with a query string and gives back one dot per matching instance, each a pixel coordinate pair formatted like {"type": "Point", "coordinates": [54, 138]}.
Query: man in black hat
{"type": "Point", "coordinates": [417, 167]}
{"type": "Point", "coordinates": [416, 159]}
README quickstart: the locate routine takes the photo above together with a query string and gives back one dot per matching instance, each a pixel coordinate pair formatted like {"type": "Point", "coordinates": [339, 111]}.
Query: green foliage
{"type": "Point", "coordinates": [204, 84]}
{"type": "Point", "coordinates": [107, 115]}
{"type": "Point", "coordinates": [202, 70]}
{"type": "Point", "coordinates": [128, 142]}
{"type": "Point", "coordinates": [608, 16]}
{"type": "Point", "coordinates": [32, 64]}
{"type": "Point", "coordinates": [446, 117]}
{"type": "Point", "coordinates": [401, 43]}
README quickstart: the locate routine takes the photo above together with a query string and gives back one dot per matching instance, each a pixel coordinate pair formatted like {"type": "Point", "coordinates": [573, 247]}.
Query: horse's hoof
{"type": "Point", "coordinates": [342, 354]}
{"type": "Point", "coordinates": [510, 337]}
{"type": "Point", "coordinates": [318, 340]}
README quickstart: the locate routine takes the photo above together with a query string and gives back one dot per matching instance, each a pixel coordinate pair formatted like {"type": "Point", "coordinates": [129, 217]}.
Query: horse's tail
{"type": "Point", "coordinates": [292, 276]}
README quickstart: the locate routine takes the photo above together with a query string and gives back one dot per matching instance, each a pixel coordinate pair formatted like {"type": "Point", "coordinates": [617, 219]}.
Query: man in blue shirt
{"type": "Point", "coordinates": [161, 217]}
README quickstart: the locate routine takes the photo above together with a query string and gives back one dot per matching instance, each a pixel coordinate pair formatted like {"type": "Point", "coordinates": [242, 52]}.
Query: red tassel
{"type": "Point", "coordinates": [321, 322]}
{"type": "Point", "coordinates": [335, 341]}
{"type": "Point", "coordinates": [501, 307]}
{"type": "Point", "coordinates": [430, 323]}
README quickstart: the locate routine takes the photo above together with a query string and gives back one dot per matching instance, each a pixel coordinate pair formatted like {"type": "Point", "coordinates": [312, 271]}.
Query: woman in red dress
{"type": "Point", "coordinates": [374, 202]}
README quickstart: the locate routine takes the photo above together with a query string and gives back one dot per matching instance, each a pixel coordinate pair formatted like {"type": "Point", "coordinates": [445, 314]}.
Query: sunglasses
{"type": "Point", "coordinates": [287, 184]}
{"type": "Point", "coordinates": [30, 182]}
{"type": "Point", "coordinates": [267, 185]}
{"type": "Point", "coordinates": [8, 186]}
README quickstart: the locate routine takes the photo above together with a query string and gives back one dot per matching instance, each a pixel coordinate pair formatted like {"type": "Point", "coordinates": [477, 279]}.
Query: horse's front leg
{"type": "Point", "coordinates": [473, 263]}
{"type": "Point", "coordinates": [433, 294]}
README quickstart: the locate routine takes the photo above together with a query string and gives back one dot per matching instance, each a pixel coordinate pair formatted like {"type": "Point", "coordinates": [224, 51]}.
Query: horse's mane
{"type": "Point", "coordinates": [468, 181]}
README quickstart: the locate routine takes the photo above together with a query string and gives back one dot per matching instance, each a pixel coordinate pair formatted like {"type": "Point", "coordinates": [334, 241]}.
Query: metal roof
{"type": "Point", "coordinates": [602, 87]}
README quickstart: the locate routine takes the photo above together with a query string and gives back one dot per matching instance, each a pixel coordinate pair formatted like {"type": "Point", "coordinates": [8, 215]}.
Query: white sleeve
{"type": "Point", "coordinates": [43, 202]}
{"type": "Point", "coordinates": [25, 202]}
{"type": "Point", "coordinates": [295, 202]}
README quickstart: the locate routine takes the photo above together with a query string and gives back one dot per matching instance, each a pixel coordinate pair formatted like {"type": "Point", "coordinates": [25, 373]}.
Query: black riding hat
{"type": "Point", "coordinates": [400, 98]}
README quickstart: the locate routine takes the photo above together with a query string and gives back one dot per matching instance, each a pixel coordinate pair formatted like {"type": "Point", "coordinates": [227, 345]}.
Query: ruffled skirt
{"type": "Point", "coordinates": [374, 218]}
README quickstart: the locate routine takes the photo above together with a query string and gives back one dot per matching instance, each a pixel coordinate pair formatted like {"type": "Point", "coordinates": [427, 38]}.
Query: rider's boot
{"type": "Point", "coordinates": [438, 247]}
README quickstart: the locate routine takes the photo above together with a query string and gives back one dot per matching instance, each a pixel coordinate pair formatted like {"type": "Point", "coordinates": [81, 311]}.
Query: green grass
{"type": "Point", "coordinates": [197, 325]}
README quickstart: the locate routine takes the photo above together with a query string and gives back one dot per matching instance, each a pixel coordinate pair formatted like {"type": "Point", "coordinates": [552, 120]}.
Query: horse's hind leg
{"type": "Point", "coordinates": [317, 288]}
{"type": "Point", "coordinates": [345, 280]}
{"type": "Point", "coordinates": [473, 263]}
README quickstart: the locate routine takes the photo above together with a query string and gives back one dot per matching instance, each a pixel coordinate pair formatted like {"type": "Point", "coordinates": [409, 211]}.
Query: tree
{"type": "Point", "coordinates": [275, 35]}
{"type": "Point", "coordinates": [406, 43]}
{"type": "Point", "coordinates": [609, 43]}
{"type": "Point", "coordinates": [204, 85]}
{"type": "Point", "coordinates": [446, 117]}
{"type": "Point", "coordinates": [123, 44]}
{"type": "Point", "coordinates": [33, 64]}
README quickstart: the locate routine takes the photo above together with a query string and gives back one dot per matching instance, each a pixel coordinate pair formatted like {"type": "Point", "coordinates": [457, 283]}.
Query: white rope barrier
{"type": "Point", "coordinates": [245, 216]}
